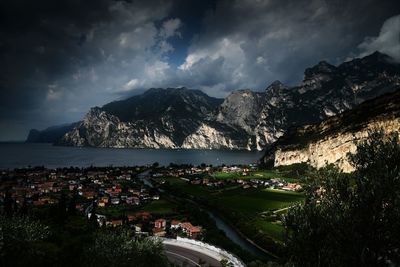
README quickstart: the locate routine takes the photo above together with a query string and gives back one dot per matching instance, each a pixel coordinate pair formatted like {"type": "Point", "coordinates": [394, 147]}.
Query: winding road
{"type": "Point", "coordinates": [187, 256]}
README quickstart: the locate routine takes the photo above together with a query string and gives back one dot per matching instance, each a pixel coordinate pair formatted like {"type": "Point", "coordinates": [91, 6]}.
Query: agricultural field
{"type": "Point", "coordinates": [251, 175]}
{"type": "Point", "coordinates": [250, 202]}
{"type": "Point", "coordinates": [265, 174]}
{"type": "Point", "coordinates": [185, 187]}
{"type": "Point", "coordinates": [250, 210]}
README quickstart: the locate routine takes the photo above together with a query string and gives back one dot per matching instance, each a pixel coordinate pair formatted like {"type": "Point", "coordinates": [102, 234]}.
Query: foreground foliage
{"type": "Point", "coordinates": [21, 240]}
{"type": "Point", "coordinates": [350, 220]}
{"type": "Point", "coordinates": [118, 248]}
{"type": "Point", "coordinates": [27, 242]}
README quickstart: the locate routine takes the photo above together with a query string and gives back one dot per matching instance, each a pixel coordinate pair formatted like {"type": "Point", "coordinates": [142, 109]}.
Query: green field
{"type": "Point", "coordinates": [271, 229]}
{"type": "Point", "coordinates": [249, 209]}
{"type": "Point", "coordinates": [194, 190]}
{"type": "Point", "coordinates": [251, 175]}
{"type": "Point", "coordinates": [250, 202]}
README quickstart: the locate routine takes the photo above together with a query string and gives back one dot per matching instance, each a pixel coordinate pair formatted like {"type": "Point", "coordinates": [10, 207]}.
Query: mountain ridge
{"type": "Point", "coordinates": [245, 119]}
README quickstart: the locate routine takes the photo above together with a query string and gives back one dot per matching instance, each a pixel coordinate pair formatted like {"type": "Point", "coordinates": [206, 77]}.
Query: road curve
{"type": "Point", "coordinates": [186, 256]}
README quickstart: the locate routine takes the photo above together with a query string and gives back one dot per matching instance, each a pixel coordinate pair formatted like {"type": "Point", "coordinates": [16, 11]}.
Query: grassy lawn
{"type": "Point", "coordinates": [271, 229]}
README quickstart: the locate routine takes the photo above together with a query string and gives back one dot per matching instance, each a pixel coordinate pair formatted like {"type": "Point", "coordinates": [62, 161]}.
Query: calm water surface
{"type": "Point", "coordinates": [16, 155]}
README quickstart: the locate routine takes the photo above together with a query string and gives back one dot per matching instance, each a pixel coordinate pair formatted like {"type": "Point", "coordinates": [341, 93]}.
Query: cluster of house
{"type": "Point", "coordinates": [143, 224]}
{"type": "Point", "coordinates": [161, 225]}
{"type": "Point", "coordinates": [181, 171]}
{"type": "Point", "coordinates": [114, 195]}
{"type": "Point", "coordinates": [269, 183]}
{"type": "Point", "coordinates": [201, 171]}
{"type": "Point", "coordinates": [106, 186]}
{"type": "Point", "coordinates": [247, 183]}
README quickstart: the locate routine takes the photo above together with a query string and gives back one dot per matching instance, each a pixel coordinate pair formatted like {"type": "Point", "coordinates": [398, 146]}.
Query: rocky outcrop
{"type": "Point", "coordinates": [332, 140]}
{"type": "Point", "coordinates": [208, 137]}
{"type": "Point", "coordinates": [333, 149]}
{"type": "Point", "coordinates": [183, 118]}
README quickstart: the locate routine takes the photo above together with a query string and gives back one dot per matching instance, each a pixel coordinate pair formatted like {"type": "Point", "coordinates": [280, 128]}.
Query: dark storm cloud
{"type": "Point", "coordinates": [61, 57]}
{"type": "Point", "coordinates": [50, 52]}
{"type": "Point", "coordinates": [261, 41]}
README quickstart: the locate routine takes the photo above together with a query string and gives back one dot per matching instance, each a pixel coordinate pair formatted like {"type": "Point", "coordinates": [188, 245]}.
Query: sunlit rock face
{"type": "Point", "coordinates": [100, 129]}
{"type": "Point", "coordinates": [333, 149]}
{"type": "Point", "coordinates": [331, 140]}
{"type": "Point", "coordinates": [183, 118]}
{"type": "Point", "coordinates": [208, 137]}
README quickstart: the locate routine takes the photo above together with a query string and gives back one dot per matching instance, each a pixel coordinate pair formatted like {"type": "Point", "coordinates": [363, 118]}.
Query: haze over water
{"type": "Point", "coordinates": [18, 155]}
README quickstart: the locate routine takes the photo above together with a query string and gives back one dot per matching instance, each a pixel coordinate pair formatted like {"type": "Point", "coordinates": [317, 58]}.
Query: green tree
{"type": "Point", "coordinates": [61, 212]}
{"type": "Point", "coordinates": [118, 248]}
{"type": "Point", "coordinates": [93, 217]}
{"type": "Point", "coordinates": [72, 203]}
{"type": "Point", "coordinates": [20, 240]}
{"type": "Point", "coordinates": [156, 165]}
{"type": "Point", "coordinates": [8, 204]}
{"type": "Point", "coordinates": [350, 220]}
{"type": "Point", "coordinates": [23, 211]}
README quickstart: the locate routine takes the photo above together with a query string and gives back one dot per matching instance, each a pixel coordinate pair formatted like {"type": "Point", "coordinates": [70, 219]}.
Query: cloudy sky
{"type": "Point", "coordinates": [59, 58]}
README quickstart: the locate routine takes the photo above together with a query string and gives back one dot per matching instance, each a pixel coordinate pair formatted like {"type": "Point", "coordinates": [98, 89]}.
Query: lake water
{"type": "Point", "coordinates": [16, 155]}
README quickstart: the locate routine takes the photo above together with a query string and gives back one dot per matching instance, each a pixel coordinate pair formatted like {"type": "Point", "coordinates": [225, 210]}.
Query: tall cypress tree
{"type": "Point", "coordinates": [8, 204]}
{"type": "Point", "coordinates": [61, 213]}
{"type": "Point", "coordinates": [72, 204]}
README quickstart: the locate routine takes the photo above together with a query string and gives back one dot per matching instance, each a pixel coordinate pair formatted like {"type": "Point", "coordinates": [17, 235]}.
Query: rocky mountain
{"type": "Point", "coordinates": [330, 140]}
{"type": "Point", "coordinates": [184, 118]}
{"type": "Point", "coordinates": [325, 91]}
{"type": "Point", "coordinates": [50, 135]}
{"type": "Point", "coordinates": [159, 118]}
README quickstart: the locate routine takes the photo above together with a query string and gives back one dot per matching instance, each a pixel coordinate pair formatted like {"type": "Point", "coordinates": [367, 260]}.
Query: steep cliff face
{"type": "Point", "coordinates": [273, 120]}
{"type": "Point", "coordinates": [241, 109]}
{"type": "Point", "coordinates": [183, 118]}
{"type": "Point", "coordinates": [331, 140]}
{"type": "Point", "coordinates": [333, 149]}
{"type": "Point", "coordinates": [208, 137]}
